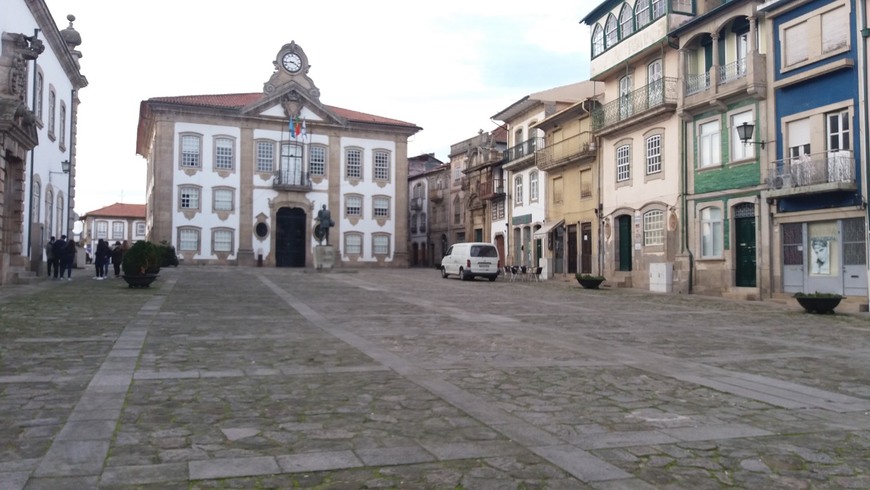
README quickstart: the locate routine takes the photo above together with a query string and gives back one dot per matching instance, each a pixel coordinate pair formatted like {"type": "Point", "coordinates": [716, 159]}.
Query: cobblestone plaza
{"type": "Point", "coordinates": [225, 377]}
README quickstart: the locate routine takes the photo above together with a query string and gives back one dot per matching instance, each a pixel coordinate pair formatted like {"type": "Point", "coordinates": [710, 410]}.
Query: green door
{"type": "Point", "coordinates": [744, 255]}
{"type": "Point", "coordinates": [624, 238]}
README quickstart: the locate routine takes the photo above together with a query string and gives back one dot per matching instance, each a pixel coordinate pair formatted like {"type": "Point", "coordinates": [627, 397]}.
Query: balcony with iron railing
{"type": "Point", "coordinates": [812, 173]}
{"type": "Point", "coordinates": [416, 203]}
{"type": "Point", "coordinates": [516, 156]}
{"type": "Point", "coordinates": [570, 149]}
{"type": "Point", "coordinates": [437, 195]}
{"type": "Point", "coordinates": [291, 181]}
{"type": "Point", "coordinates": [633, 108]}
{"type": "Point", "coordinates": [722, 83]}
{"type": "Point", "coordinates": [490, 189]}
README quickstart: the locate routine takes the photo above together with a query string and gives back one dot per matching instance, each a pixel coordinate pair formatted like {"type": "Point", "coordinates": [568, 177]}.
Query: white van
{"type": "Point", "coordinates": [469, 260]}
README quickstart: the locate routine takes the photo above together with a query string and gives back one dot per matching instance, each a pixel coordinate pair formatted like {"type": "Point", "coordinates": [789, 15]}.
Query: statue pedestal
{"type": "Point", "coordinates": [324, 257]}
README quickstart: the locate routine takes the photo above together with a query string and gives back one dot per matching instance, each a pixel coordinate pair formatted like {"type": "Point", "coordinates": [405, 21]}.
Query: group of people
{"type": "Point", "coordinates": [60, 256]}
{"type": "Point", "coordinates": [105, 255]}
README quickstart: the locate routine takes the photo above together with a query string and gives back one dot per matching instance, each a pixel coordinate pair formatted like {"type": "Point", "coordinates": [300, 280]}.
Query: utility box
{"type": "Point", "coordinates": [661, 277]}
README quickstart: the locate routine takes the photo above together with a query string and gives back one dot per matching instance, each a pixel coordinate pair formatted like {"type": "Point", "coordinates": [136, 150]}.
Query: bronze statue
{"type": "Point", "coordinates": [324, 223]}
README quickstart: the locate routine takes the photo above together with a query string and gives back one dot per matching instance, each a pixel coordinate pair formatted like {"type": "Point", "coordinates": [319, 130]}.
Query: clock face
{"type": "Point", "coordinates": [291, 62]}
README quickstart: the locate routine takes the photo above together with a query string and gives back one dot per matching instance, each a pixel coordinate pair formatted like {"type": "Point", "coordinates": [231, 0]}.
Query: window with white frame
{"type": "Point", "coordinates": [118, 230]}
{"type": "Point", "coordinates": [35, 199]}
{"type": "Point", "coordinates": [52, 106]}
{"type": "Point", "coordinates": [381, 244]}
{"type": "Point", "coordinates": [498, 210]}
{"type": "Point", "coordinates": [654, 227]}
{"type": "Point", "coordinates": [191, 147]}
{"type": "Point", "coordinates": [654, 154]}
{"type": "Point", "coordinates": [623, 163]}
{"type": "Point", "coordinates": [222, 240]}
{"type": "Point", "coordinates": [611, 34]}
{"type": "Point", "coordinates": [413, 219]}
{"type": "Point", "coordinates": [838, 131]}
{"type": "Point", "coordinates": [102, 230]}
{"type": "Point", "coordinates": [597, 40]}
{"type": "Point", "coordinates": [626, 21]}
{"type": "Point", "coordinates": [658, 8]}
{"type": "Point", "coordinates": [711, 232]}
{"type": "Point", "coordinates": [533, 186]}
{"type": "Point", "coordinates": [59, 205]}
{"type": "Point", "coordinates": [739, 149]}
{"type": "Point", "coordinates": [188, 197]}
{"type": "Point", "coordinates": [188, 239]}
{"type": "Point", "coordinates": [223, 199]}
{"type": "Point", "coordinates": [381, 207]}
{"type": "Point", "coordinates": [353, 163]}
{"type": "Point", "coordinates": [422, 222]}
{"type": "Point", "coordinates": [265, 156]}
{"type": "Point", "coordinates": [40, 93]}
{"type": "Point", "coordinates": [353, 206]}
{"type": "Point", "coordinates": [709, 147]}
{"type": "Point", "coordinates": [799, 137]}
{"type": "Point", "coordinates": [816, 35]}
{"type": "Point", "coordinates": [223, 153]}
{"type": "Point", "coordinates": [457, 211]}
{"type": "Point", "coordinates": [291, 172]}
{"type": "Point", "coordinates": [381, 166]}
{"type": "Point", "coordinates": [317, 160]}
{"type": "Point", "coordinates": [353, 243]}
{"type": "Point", "coordinates": [518, 190]}
{"type": "Point", "coordinates": [140, 228]}
{"type": "Point", "coordinates": [62, 133]}
{"type": "Point", "coordinates": [642, 13]}
{"type": "Point", "coordinates": [49, 209]}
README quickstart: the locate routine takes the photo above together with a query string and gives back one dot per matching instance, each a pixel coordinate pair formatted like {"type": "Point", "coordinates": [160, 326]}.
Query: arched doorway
{"type": "Point", "coordinates": [290, 237]}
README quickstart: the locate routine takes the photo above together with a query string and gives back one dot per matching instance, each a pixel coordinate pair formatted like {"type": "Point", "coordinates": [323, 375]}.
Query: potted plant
{"type": "Point", "coordinates": [588, 281]}
{"type": "Point", "coordinates": [141, 264]}
{"type": "Point", "coordinates": [818, 302]}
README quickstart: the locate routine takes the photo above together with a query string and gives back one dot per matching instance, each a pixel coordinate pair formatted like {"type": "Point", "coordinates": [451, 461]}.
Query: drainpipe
{"type": "Point", "coordinates": [862, 53]}
{"type": "Point", "coordinates": [684, 161]}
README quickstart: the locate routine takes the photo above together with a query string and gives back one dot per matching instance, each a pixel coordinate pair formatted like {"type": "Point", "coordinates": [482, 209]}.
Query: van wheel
{"type": "Point", "coordinates": [443, 273]}
{"type": "Point", "coordinates": [492, 278]}
{"type": "Point", "coordinates": [463, 276]}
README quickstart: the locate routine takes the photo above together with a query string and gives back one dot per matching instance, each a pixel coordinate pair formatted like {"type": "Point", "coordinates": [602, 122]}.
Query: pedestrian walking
{"type": "Point", "coordinates": [117, 258]}
{"type": "Point", "coordinates": [50, 260]}
{"type": "Point", "coordinates": [59, 250]}
{"type": "Point", "coordinates": [69, 258]}
{"type": "Point", "coordinates": [101, 257]}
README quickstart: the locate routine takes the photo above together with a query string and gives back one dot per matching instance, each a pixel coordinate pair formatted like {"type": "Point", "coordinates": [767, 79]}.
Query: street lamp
{"type": "Point", "coordinates": [744, 132]}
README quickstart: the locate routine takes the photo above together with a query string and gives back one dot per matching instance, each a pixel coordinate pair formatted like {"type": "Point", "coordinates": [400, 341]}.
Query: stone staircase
{"type": "Point", "coordinates": [21, 276]}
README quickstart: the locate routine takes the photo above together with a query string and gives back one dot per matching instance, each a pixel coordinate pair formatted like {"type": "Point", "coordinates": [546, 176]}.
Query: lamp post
{"type": "Point", "coordinates": [65, 169]}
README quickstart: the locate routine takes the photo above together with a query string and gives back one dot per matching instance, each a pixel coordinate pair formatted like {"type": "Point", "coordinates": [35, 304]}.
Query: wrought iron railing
{"type": "Point", "coordinates": [524, 149]}
{"type": "Point", "coordinates": [488, 189]}
{"type": "Point", "coordinates": [697, 83]}
{"type": "Point", "coordinates": [812, 169]}
{"type": "Point", "coordinates": [732, 71]}
{"type": "Point", "coordinates": [651, 96]}
{"type": "Point", "coordinates": [291, 179]}
{"type": "Point", "coordinates": [560, 152]}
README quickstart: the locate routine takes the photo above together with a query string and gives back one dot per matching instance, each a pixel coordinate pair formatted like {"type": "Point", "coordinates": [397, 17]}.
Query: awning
{"type": "Point", "coordinates": [548, 228]}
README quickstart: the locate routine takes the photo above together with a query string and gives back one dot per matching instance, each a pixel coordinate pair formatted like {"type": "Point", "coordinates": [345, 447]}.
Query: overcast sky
{"type": "Point", "coordinates": [445, 66]}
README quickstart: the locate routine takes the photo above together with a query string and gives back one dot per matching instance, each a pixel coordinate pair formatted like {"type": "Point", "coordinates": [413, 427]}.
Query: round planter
{"type": "Point", "coordinates": [140, 281]}
{"type": "Point", "coordinates": [590, 283]}
{"type": "Point", "coordinates": [818, 305]}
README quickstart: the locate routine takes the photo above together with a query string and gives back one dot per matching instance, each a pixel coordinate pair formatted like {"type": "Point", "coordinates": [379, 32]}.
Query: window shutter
{"type": "Point", "coordinates": [834, 30]}
{"type": "Point", "coordinates": [796, 44]}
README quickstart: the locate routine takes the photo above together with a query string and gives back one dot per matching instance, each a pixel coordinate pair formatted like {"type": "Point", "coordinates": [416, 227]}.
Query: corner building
{"type": "Point", "coordinates": [236, 178]}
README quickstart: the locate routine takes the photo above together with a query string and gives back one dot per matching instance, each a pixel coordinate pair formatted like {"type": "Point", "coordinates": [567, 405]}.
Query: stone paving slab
{"type": "Point", "coordinates": [225, 377]}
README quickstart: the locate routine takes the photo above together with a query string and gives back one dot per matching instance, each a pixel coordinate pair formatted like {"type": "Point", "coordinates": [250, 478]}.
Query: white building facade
{"type": "Point", "coordinates": [241, 178]}
{"type": "Point", "coordinates": [39, 84]}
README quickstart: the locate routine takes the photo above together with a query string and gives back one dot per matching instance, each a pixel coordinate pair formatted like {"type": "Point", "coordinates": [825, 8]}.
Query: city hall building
{"type": "Point", "coordinates": [240, 178]}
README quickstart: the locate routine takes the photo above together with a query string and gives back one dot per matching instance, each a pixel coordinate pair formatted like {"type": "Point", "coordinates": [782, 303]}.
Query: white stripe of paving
{"type": "Point", "coordinates": [82, 444]}
{"type": "Point", "coordinates": [573, 460]}
{"type": "Point", "coordinates": [214, 469]}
